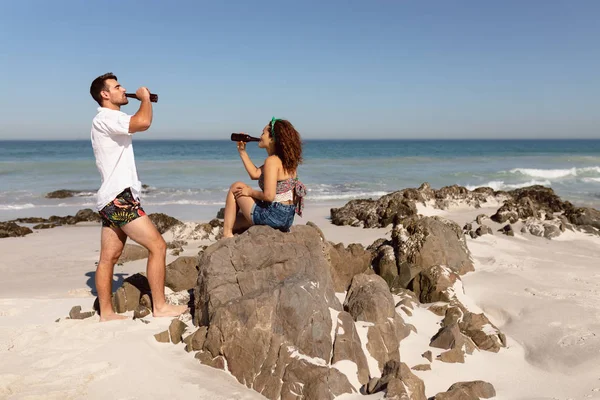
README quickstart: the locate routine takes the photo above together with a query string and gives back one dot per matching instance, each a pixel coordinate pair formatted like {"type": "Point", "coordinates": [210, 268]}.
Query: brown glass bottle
{"type": "Point", "coordinates": [153, 97]}
{"type": "Point", "coordinates": [242, 137]}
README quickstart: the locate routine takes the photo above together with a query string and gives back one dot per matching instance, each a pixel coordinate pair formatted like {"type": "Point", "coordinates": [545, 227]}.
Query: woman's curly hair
{"type": "Point", "coordinates": [288, 145]}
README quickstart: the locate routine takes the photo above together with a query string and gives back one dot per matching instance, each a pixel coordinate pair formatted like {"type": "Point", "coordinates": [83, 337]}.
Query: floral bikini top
{"type": "Point", "coordinates": [286, 185]}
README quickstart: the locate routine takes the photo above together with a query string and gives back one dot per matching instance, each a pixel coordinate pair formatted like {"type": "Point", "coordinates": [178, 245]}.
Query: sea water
{"type": "Point", "coordinates": [190, 178]}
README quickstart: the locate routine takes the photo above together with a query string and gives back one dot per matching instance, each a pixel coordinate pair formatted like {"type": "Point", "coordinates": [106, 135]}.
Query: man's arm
{"type": "Point", "coordinates": [142, 119]}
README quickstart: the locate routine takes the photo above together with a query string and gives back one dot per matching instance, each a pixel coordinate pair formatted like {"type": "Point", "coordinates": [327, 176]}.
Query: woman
{"type": "Point", "coordinates": [281, 193]}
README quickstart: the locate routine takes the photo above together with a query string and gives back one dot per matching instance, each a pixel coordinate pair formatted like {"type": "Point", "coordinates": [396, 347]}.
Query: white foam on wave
{"type": "Point", "coordinates": [16, 206]}
{"type": "Point", "coordinates": [590, 180]}
{"type": "Point", "coordinates": [554, 173]}
{"type": "Point", "coordinates": [500, 185]}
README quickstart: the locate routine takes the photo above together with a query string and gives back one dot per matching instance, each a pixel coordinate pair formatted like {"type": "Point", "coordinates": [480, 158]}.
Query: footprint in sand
{"type": "Point", "coordinates": [576, 339]}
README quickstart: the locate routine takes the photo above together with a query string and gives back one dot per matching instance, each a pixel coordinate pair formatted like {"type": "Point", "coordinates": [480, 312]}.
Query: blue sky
{"type": "Point", "coordinates": [336, 69]}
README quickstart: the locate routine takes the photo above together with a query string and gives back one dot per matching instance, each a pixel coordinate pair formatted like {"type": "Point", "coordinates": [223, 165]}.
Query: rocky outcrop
{"type": "Point", "coordinates": [584, 217]}
{"type": "Point", "coordinates": [473, 390]}
{"type": "Point", "coordinates": [417, 244]}
{"type": "Point", "coordinates": [374, 213]}
{"type": "Point", "coordinates": [163, 222]}
{"type": "Point", "coordinates": [546, 229]}
{"type": "Point", "coordinates": [402, 204]}
{"type": "Point", "coordinates": [267, 301]}
{"type": "Point", "coordinates": [189, 231]}
{"type": "Point", "coordinates": [398, 382]}
{"type": "Point", "coordinates": [346, 263]}
{"type": "Point", "coordinates": [10, 229]}
{"type": "Point", "coordinates": [369, 300]}
{"type": "Point", "coordinates": [84, 215]}
{"type": "Point", "coordinates": [182, 274]}
{"type": "Point", "coordinates": [132, 252]}
{"type": "Point", "coordinates": [462, 330]}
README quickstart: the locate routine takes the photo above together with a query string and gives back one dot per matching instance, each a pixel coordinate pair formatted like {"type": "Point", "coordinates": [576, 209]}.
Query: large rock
{"type": "Point", "coordinates": [369, 300]}
{"type": "Point", "coordinates": [132, 252]}
{"type": "Point", "coordinates": [163, 222]}
{"type": "Point", "coordinates": [267, 300]}
{"type": "Point", "coordinates": [542, 197]}
{"type": "Point", "coordinates": [473, 390]}
{"type": "Point", "coordinates": [374, 213]}
{"type": "Point", "coordinates": [182, 274]}
{"type": "Point", "coordinates": [401, 204]}
{"type": "Point", "coordinates": [10, 229]}
{"type": "Point", "coordinates": [347, 347]}
{"type": "Point", "coordinates": [347, 262]}
{"type": "Point", "coordinates": [61, 194]}
{"type": "Point", "coordinates": [422, 242]}
{"type": "Point", "coordinates": [584, 216]}
{"type": "Point", "coordinates": [399, 383]}
{"type": "Point", "coordinates": [513, 210]}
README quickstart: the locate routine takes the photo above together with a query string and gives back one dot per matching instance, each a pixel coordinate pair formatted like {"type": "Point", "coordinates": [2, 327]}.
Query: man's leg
{"type": "Point", "coordinates": [111, 246]}
{"type": "Point", "coordinates": [143, 231]}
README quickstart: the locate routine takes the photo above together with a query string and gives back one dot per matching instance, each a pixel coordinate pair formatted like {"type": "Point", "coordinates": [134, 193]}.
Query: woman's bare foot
{"type": "Point", "coordinates": [227, 236]}
{"type": "Point", "coordinates": [169, 310]}
{"type": "Point", "coordinates": [112, 317]}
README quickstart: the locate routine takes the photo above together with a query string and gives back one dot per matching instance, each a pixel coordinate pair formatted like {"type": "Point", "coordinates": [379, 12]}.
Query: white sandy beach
{"type": "Point", "coordinates": [543, 294]}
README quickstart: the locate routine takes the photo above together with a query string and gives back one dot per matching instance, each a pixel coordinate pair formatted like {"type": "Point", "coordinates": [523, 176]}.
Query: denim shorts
{"type": "Point", "coordinates": [276, 215]}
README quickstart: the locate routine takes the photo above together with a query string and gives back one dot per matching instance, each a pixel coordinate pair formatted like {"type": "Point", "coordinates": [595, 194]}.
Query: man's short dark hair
{"type": "Point", "coordinates": [99, 84]}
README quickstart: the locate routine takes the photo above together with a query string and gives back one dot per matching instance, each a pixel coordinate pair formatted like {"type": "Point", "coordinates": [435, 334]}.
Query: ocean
{"type": "Point", "coordinates": [189, 179]}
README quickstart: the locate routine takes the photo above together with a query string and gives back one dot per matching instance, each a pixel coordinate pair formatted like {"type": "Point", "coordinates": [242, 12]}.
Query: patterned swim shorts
{"type": "Point", "coordinates": [122, 210]}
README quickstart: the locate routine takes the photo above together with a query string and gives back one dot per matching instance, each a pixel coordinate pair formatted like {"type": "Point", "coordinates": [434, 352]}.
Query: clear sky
{"type": "Point", "coordinates": [335, 69]}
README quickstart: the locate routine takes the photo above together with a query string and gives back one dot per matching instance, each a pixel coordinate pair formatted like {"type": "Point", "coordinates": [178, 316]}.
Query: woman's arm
{"type": "Point", "coordinates": [253, 172]}
{"type": "Point", "coordinates": [272, 164]}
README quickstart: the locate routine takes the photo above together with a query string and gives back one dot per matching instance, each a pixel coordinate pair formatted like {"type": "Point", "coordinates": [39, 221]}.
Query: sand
{"type": "Point", "coordinates": [543, 294]}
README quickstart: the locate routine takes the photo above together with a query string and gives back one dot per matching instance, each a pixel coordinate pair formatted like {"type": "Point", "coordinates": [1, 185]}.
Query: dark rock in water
{"type": "Point", "coordinates": [221, 213]}
{"type": "Point", "coordinates": [163, 222]}
{"type": "Point", "coordinates": [87, 214]}
{"type": "Point", "coordinates": [10, 229]}
{"type": "Point", "coordinates": [267, 300]}
{"type": "Point", "coordinates": [61, 194]}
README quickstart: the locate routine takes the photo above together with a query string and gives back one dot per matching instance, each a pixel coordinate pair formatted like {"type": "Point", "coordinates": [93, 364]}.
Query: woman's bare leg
{"type": "Point", "coordinates": [231, 210]}
{"type": "Point", "coordinates": [233, 219]}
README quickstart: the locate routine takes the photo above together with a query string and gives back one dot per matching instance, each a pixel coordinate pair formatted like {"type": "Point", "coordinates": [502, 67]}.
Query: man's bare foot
{"type": "Point", "coordinates": [112, 317]}
{"type": "Point", "coordinates": [169, 310]}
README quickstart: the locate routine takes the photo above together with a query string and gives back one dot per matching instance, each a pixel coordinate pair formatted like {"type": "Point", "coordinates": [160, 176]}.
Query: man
{"type": "Point", "coordinates": [119, 195]}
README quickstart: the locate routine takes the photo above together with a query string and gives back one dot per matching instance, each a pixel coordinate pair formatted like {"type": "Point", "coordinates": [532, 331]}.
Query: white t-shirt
{"type": "Point", "coordinates": [112, 146]}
